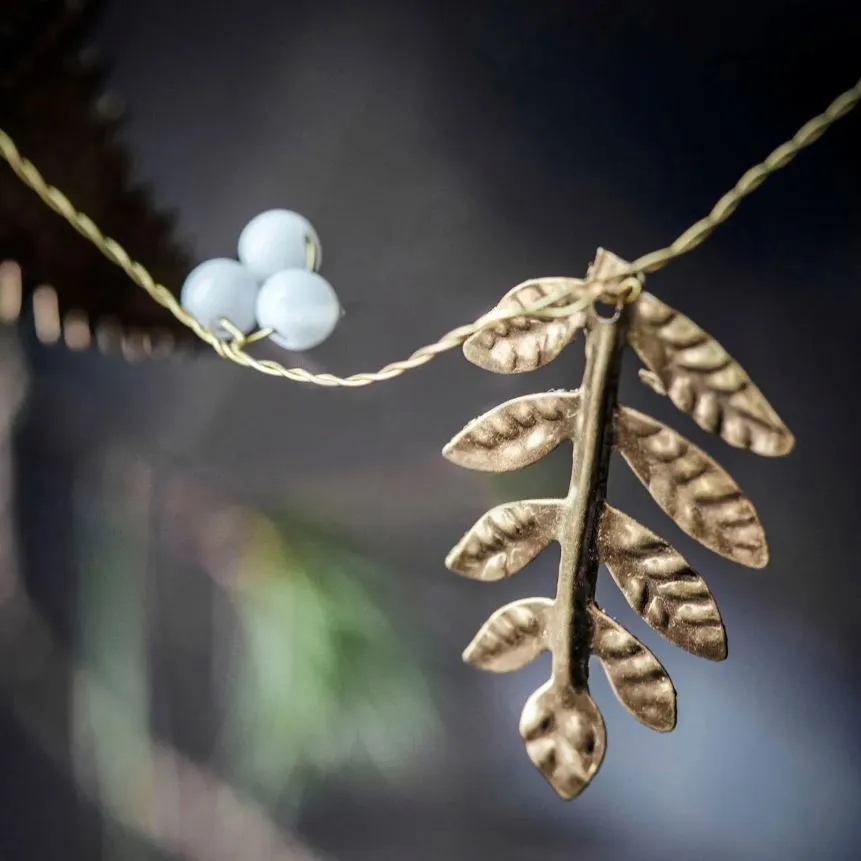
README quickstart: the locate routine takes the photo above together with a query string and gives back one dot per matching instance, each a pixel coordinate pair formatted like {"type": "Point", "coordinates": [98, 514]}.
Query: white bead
{"type": "Point", "coordinates": [276, 240]}
{"type": "Point", "coordinates": [219, 289]}
{"type": "Point", "coordinates": [300, 306]}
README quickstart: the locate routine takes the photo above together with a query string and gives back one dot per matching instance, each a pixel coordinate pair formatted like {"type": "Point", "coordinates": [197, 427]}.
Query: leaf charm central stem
{"type": "Point", "coordinates": [578, 567]}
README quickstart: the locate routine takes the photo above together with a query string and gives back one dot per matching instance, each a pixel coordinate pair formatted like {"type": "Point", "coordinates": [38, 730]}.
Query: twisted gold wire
{"type": "Point", "coordinates": [593, 289]}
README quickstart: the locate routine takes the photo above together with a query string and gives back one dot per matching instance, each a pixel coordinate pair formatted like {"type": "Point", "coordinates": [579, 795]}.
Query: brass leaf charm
{"type": "Point", "coordinates": [505, 539]}
{"type": "Point", "coordinates": [561, 725]}
{"type": "Point", "coordinates": [512, 637]}
{"type": "Point", "coordinates": [516, 433]}
{"type": "Point", "coordinates": [637, 677]}
{"type": "Point", "coordinates": [527, 343]}
{"type": "Point", "coordinates": [565, 736]}
{"type": "Point", "coordinates": [660, 585]}
{"type": "Point", "coordinates": [691, 488]}
{"type": "Point", "coordinates": [703, 380]}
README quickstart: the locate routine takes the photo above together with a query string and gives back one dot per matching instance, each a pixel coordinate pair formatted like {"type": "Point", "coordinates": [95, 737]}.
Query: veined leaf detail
{"type": "Point", "coordinates": [565, 736]}
{"type": "Point", "coordinates": [660, 585]}
{"type": "Point", "coordinates": [527, 343]}
{"type": "Point", "coordinates": [703, 380]}
{"type": "Point", "coordinates": [505, 539]}
{"type": "Point", "coordinates": [516, 433]}
{"type": "Point", "coordinates": [512, 637]}
{"type": "Point", "coordinates": [691, 488]}
{"type": "Point", "coordinates": [636, 675]}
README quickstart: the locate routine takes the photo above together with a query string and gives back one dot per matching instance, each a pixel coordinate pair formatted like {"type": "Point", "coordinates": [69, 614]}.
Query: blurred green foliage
{"type": "Point", "coordinates": [327, 685]}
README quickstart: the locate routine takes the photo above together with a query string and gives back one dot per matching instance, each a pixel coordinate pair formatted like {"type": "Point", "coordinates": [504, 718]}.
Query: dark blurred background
{"type": "Point", "coordinates": [238, 581]}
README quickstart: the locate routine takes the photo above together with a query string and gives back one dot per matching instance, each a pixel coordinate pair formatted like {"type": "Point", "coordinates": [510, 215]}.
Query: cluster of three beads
{"type": "Point", "coordinates": [273, 285]}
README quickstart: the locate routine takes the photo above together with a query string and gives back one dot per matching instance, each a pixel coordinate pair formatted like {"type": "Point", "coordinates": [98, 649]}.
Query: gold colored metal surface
{"type": "Point", "coordinates": [659, 585]}
{"type": "Point", "coordinates": [703, 380]}
{"type": "Point", "coordinates": [692, 489]}
{"type": "Point", "coordinates": [505, 539]}
{"type": "Point", "coordinates": [565, 736]}
{"type": "Point", "coordinates": [527, 343]}
{"type": "Point", "coordinates": [637, 677]}
{"type": "Point", "coordinates": [561, 725]}
{"type": "Point", "coordinates": [515, 434]}
{"type": "Point", "coordinates": [512, 637]}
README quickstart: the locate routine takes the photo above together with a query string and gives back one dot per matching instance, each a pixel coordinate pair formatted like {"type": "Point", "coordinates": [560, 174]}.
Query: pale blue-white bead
{"type": "Point", "coordinates": [276, 240]}
{"type": "Point", "coordinates": [300, 306]}
{"type": "Point", "coordinates": [219, 289]}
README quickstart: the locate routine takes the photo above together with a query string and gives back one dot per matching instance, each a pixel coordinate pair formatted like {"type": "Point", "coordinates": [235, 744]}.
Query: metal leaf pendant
{"type": "Point", "coordinates": [561, 725]}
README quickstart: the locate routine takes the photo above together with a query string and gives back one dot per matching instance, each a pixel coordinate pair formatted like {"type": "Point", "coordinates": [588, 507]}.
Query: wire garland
{"type": "Point", "coordinates": [592, 290]}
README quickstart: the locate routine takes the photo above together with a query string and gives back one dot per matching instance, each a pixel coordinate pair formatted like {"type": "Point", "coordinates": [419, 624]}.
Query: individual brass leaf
{"type": "Point", "coordinates": [635, 674]}
{"type": "Point", "coordinates": [703, 380]}
{"type": "Point", "coordinates": [512, 637]}
{"type": "Point", "coordinates": [660, 585]}
{"type": "Point", "coordinates": [527, 343]}
{"type": "Point", "coordinates": [565, 736]}
{"type": "Point", "coordinates": [516, 433]}
{"type": "Point", "coordinates": [505, 539]}
{"type": "Point", "coordinates": [691, 488]}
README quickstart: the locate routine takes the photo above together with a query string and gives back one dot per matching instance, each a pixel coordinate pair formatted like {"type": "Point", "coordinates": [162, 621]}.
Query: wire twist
{"type": "Point", "coordinates": [593, 290]}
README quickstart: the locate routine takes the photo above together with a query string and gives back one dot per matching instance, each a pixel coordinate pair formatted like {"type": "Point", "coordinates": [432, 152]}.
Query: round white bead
{"type": "Point", "coordinates": [276, 240]}
{"type": "Point", "coordinates": [300, 306]}
{"type": "Point", "coordinates": [219, 289]}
